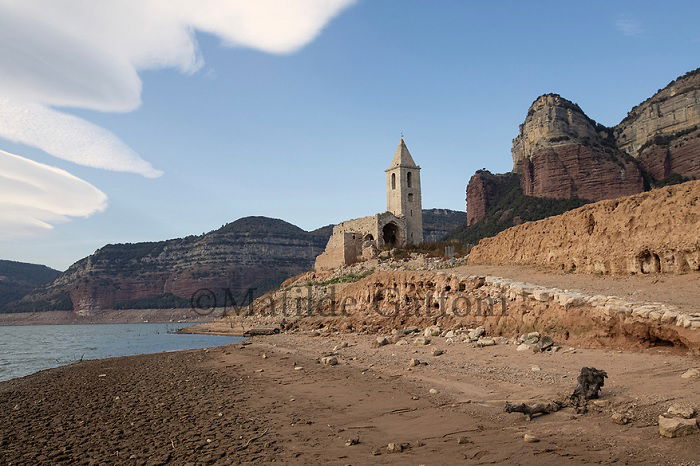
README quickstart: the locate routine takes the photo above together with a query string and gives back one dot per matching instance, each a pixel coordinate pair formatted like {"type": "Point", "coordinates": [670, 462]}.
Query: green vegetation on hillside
{"type": "Point", "coordinates": [511, 204]}
{"type": "Point", "coordinates": [18, 278]}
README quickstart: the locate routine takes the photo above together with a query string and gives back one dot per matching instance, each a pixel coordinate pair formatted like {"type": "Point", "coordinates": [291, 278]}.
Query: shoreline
{"type": "Point", "coordinates": [242, 403]}
{"type": "Point", "coordinates": [125, 316]}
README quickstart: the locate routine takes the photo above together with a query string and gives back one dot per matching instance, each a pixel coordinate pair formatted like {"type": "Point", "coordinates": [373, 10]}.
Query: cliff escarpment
{"type": "Point", "coordinates": [656, 231]}
{"type": "Point", "coordinates": [251, 253]}
{"type": "Point", "coordinates": [561, 153]}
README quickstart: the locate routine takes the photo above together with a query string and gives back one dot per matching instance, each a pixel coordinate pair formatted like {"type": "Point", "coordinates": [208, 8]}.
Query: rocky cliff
{"type": "Point", "coordinates": [19, 278]}
{"type": "Point", "coordinates": [656, 231]}
{"type": "Point", "coordinates": [561, 153]}
{"type": "Point", "coordinates": [251, 253]}
{"type": "Point", "coordinates": [663, 132]}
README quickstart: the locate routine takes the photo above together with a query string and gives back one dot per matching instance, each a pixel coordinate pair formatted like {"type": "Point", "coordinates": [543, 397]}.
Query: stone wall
{"type": "Point", "coordinates": [656, 231]}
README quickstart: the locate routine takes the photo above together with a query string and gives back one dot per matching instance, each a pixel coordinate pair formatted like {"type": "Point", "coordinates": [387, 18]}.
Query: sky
{"type": "Point", "coordinates": [142, 120]}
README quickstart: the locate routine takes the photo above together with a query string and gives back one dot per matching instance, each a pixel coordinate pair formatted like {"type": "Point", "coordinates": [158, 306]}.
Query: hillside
{"type": "Point", "coordinates": [253, 254]}
{"type": "Point", "coordinates": [19, 278]}
{"type": "Point", "coordinates": [656, 231]}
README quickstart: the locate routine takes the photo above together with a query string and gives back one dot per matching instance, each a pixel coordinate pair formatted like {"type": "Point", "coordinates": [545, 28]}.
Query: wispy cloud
{"type": "Point", "coordinates": [35, 196]}
{"type": "Point", "coordinates": [628, 27]}
{"type": "Point", "coordinates": [88, 54]}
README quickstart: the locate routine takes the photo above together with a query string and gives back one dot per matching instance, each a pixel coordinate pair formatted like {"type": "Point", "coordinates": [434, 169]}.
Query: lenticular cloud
{"type": "Point", "coordinates": [33, 196]}
{"type": "Point", "coordinates": [87, 54]}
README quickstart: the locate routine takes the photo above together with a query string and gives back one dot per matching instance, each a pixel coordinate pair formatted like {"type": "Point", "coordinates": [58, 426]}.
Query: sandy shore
{"type": "Point", "coordinates": [231, 405]}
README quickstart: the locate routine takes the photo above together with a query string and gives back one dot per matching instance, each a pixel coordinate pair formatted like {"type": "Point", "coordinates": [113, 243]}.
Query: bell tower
{"type": "Point", "coordinates": [403, 193]}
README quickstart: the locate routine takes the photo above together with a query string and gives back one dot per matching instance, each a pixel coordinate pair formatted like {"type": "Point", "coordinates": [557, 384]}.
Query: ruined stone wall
{"type": "Point", "coordinates": [656, 231]}
{"type": "Point", "coordinates": [346, 243]}
{"type": "Point", "coordinates": [388, 300]}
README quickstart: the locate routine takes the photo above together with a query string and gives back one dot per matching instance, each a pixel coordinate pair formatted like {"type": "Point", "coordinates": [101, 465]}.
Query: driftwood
{"type": "Point", "coordinates": [588, 386]}
{"type": "Point", "coordinates": [261, 331]}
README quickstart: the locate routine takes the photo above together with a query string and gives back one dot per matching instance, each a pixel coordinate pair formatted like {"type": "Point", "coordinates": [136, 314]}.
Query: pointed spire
{"type": "Point", "coordinates": [402, 157]}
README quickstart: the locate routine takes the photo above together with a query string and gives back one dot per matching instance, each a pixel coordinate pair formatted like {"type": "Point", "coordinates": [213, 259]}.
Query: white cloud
{"type": "Point", "coordinates": [35, 196]}
{"type": "Point", "coordinates": [628, 27]}
{"type": "Point", "coordinates": [88, 53]}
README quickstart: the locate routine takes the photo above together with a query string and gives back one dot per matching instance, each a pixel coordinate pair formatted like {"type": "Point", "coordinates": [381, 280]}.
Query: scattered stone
{"type": "Point", "coordinates": [381, 341]}
{"type": "Point", "coordinates": [524, 347]}
{"type": "Point", "coordinates": [264, 356]}
{"type": "Point", "coordinates": [415, 398]}
{"type": "Point", "coordinates": [529, 438]}
{"type": "Point", "coordinates": [677, 427]}
{"type": "Point", "coordinates": [352, 441]}
{"type": "Point", "coordinates": [298, 368]}
{"type": "Point", "coordinates": [535, 369]}
{"type": "Point", "coordinates": [376, 452]}
{"type": "Point", "coordinates": [463, 440]}
{"type": "Point", "coordinates": [450, 334]}
{"type": "Point", "coordinates": [686, 412]}
{"type": "Point", "coordinates": [487, 341]}
{"type": "Point", "coordinates": [260, 370]}
{"type": "Point", "coordinates": [600, 403]}
{"type": "Point", "coordinates": [433, 391]}
{"type": "Point", "coordinates": [438, 352]}
{"type": "Point", "coordinates": [401, 342]}
{"type": "Point", "coordinates": [432, 331]}
{"type": "Point", "coordinates": [340, 346]}
{"type": "Point", "coordinates": [329, 360]}
{"type": "Point", "coordinates": [691, 374]}
{"type": "Point", "coordinates": [102, 375]}
{"type": "Point", "coordinates": [621, 418]}
{"type": "Point", "coordinates": [413, 363]}
{"type": "Point", "coordinates": [408, 330]}
{"type": "Point", "coordinates": [531, 340]}
{"type": "Point", "coordinates": [421, 341]}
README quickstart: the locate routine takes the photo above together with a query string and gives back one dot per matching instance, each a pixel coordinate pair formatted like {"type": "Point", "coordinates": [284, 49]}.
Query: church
{"type": "Point", "coordinates": [402, 223]}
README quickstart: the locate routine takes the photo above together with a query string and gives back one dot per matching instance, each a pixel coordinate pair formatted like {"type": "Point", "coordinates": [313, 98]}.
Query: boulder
{"type": "Point", "coordinates": [381, 341]}
{"type": "Point", "coordinates": [686, 412]}
{"type": "Point", "coordinates": [677, 427]}
{"type": "Point", "coordinates": [432, 331]}
{"type": "Point", "coordinates": [421, 341]}
{"type": "Point", "coordinates": [691, 374]}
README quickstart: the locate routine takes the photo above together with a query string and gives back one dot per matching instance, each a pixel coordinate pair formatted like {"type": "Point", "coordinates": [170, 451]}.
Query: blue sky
{"type": "Point", "coordinates": [305, 136]}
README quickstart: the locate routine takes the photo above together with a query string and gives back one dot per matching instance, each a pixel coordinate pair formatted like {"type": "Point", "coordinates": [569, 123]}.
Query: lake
{"type": "Point", "coordinates": [31, 348]}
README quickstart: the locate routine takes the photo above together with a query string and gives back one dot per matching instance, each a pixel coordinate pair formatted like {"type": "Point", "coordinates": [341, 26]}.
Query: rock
{"type": "Point", "coordinates": [376, 452]}
{"type": "Point", "coordinates": [621, 418]}
{"type": "Point", "coordinates": [541, 295]}
{"type": "Point", "coordinates": [413, 363]}
{"type": "Point", "coordinates": [340, 346]}
{"type": "Point", "coordinates": [401, 342]}
{"type": "Point", "coordinates": [481, 342]}
{"type": "Point", "coordinates": [545, 343]}
{"type": "Point", "coordinates": [394, 448]}
{"type": "Point", "coordinates": [352, 441]}
{"type": "Point", "coordinates": [438, 352]}
{"type": "Point", "coordinates": [264, 356]}
{"type": "Point", "coordinates": [524, 347]}
{"type": "Point", "coordinates": [329, 360]}
{"type": "Point", "coordinates": [535, 369]}
{"type": "Point", "coordinates": [529, 438]}
{"type": "Point", "coordinates": [409, 330]}
{"type": "Point", "coordinates": [691, 374]}
{"type": "Point", "coordinates": [677, 427]}
{"type": "Point", "coordinates": [476, 333]}
{"type": "Point", "coordinates": [381, 341]}
{"type": "Point", "coordinates": [432, 331]}
{"type": "Point", "coordinates": [463, 440]}
{"type": "Point", "coordinates": [421, 341]}
{"type": "Point", "coordinates": [298, 368]}
{"type": "Point", "coordinates": [600, 403]}
{"type": "Point", "coordinates": [686, 412]}
{"type": "Point", "coordinates": [433, 391]}
{"type": "Point", "coordinates": [531, 340]}
{"type": "Point", "coordinates": [450, 334]}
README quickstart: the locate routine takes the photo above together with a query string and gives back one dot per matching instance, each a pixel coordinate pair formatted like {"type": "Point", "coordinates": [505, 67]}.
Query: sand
{"type": "Point", "coordinates": [230, 405]}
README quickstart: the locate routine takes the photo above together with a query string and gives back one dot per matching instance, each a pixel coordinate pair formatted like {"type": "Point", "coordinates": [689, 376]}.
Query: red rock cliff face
{"type": "Point", "coordinates": [481, 191]}
{"type": "Point", "coordinates": [561, 153]}
{"type": "Point", "coordinates": [663, 132]}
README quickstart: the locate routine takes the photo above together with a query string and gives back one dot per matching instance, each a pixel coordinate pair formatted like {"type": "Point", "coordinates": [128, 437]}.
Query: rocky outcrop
{"type": "Point", "coordinates": [663, 132]}
{"type": "Point", "coordinates": [656, 231]}
{"type": "Point", "coordinates": [563, 154]}
{"type": "Point", "coordinates": [482, 191]}
{"type": "Point", "coordinates": [253, 253]}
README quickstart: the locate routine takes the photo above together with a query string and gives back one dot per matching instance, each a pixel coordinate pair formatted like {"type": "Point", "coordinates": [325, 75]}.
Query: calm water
{"type": "Point", "coordinates": [27, 349]}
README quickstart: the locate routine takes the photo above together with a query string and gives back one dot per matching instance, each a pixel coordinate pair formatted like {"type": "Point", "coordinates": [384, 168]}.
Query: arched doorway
{"type": "Point", "coordinates": [390, 234]}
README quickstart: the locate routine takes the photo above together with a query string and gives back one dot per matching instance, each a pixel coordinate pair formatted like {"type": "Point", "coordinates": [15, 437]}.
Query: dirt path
{"type": "Point", "coordinates": [206, 406]}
